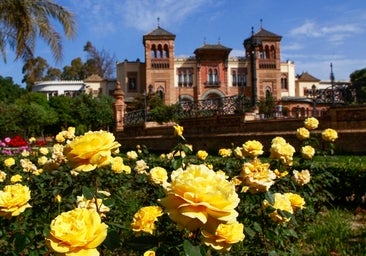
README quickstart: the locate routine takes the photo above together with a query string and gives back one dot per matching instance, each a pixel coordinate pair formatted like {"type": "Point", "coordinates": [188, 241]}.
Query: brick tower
{"type": "Point", "coordinates": [159, 59]}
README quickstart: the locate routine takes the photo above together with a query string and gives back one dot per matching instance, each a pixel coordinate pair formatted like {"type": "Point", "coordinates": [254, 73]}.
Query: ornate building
{"type": "Point", "coordinates": [210, 73]}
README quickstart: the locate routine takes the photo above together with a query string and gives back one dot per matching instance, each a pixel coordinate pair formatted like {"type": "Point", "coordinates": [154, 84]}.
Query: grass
{"type": "Point", "coordinates": [335, 232]}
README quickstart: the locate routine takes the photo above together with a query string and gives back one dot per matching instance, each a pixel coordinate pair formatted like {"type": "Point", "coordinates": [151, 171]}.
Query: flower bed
{"type": "Point", "coordinates": [84, 197]}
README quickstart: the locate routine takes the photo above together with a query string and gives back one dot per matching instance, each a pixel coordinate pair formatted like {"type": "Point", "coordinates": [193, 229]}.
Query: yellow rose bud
{"type": "Point", "coordinates": [58, 199]}
{"type": "Point", "coordinates": [16, 178]}
{"type": "Point", "coordinates": [202, 154]}
{"type": "Point", "coordinates": [178, 130]}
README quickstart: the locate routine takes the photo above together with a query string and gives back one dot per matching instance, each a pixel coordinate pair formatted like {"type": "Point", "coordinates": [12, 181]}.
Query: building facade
{"type": "Point", "coordinates": [210, 73]}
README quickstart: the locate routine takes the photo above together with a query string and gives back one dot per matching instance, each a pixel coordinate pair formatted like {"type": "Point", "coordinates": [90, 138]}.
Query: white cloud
{"type": "Point", "coordinates": [336, 33]}
{"type": "Point", "coordinates": [143, 14]}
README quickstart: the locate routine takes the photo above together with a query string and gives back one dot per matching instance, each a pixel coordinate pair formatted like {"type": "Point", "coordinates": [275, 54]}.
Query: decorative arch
{"type": "Point", "coordinates": [210, 94]}
{"type": "Point", "coordinates": [268, 91]}
{"type": "Point", "coordinates": [273, 52]}
{"type": "Point", "coordinates": [160, 91]}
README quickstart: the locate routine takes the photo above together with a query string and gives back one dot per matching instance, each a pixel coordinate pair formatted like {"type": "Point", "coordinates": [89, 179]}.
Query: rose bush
{"type": "Point", "coordinates": [134, 202]}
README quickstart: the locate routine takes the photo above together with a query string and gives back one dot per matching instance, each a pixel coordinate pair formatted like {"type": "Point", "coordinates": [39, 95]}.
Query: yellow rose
{"type": "Point", "coordinates": [178, 130]}
{"type": "Point", "coordinates": [144, 219]}
{"type": "Point", "coordinates": [141, 167]}
{"type": "Point", "coordinates": [257, 176]}
{"type": "Point", "coordinates": [281, 202]}
{"type": "Point", "coordinates": [225, 152]}
{"type": "Point", "coordinates": [202, 154]}
{"type": "Point", "coordinates": [238, 152]}
{"type": "Point", "coordinates": [329, 135]}
{"type": "Point", "coordinates": [224, 236]}
{"type": "Point", "coordinates": [76, 232]}
{"type": "Point", "coordinates": [14, 200]}
{"type": "Point", "coordinates": [307, 152]}
{"type": "Point", "coordinates": [158, 175]}
{"type": "Point", "coordinates": [118, 166]}
{"type": "Point", "coordinates": [43, 151]}
{"type": "Point", "coordinates": [301, 178]}
{"type": "Point", "coordinates": [252, 148]}
{"type": "Point", "coordinates": [297, 202]}
{"type": "Point", "coordinates": [282, 151]}
{"type": "Point", "coordinates": [32, 140]}
{"type": "Point", "coordinates": [2, 176]}
{"type": "Point", "coordinates": [16, 178]}
{"type": "Point", "coordinates": [42, 160]}
{"type": "Point", "coordinates": [91, 150]}
{"type": "Point", "coordinates": [132, 155]}
{"type": "Point", "coordinates": [149, 253]}
{"type": "Point", "coordinates": [199, 197]}
{"type": "Point", "coordinates": [27, 165]}
{"type": "Point", "coordinates": [302, 133]}
{"type": "Point", "coordinates": [9, 162]}
{"type": "Point", "coordinates": [311, 123]}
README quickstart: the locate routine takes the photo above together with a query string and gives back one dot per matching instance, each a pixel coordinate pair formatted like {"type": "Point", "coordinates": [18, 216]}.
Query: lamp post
{"type": "Point", "coordinates": [332, 82]}
{"type": "Point", "coordinates": [251, 44]}
{"type": "Point", "coordinates": [313, 95]}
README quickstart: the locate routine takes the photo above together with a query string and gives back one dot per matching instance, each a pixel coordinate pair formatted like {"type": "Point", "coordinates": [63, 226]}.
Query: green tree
{"type": "Point", "coordinates": [64, 107]}
{"type": "Point", "coordinates": [76, 71]}
{"type": "Point", "coordinates": [10, 119]}
{"type": "Point", "coordinates": [9, 91]}
{"type": "Point", "coordinates": [34, 70]}
{"type": "Point", "coordinates": [23, 21]}
{"type": "Point", "coordinates": [358, 81]}
{"type": "Point", "coordinates": [99, 62]}
{"type": "Point", "coordinates": [35, 113]}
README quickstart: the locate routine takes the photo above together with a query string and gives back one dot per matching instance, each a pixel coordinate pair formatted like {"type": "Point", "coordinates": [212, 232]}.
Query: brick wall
{"type": "Point", "coordinates": [212, 133]}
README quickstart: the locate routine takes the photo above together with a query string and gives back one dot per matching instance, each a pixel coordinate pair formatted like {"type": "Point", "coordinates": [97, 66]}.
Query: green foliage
{"type": "Point", "coordinates": [24, 234]}
{"type": "Point", "coordinates": [358, 81]}
{"type": "Point", "coordinates": [9, 91]}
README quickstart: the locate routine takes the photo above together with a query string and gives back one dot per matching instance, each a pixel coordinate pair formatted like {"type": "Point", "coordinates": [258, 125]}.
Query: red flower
{"type": "Point", "coordinates": [17, 141]}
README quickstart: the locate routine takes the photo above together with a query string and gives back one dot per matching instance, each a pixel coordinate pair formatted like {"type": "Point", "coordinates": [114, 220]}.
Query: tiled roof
{"type": "Point", "coordinates": [306, 77]}
{"type": "Point", "coordinates": [265, 33]}
{"type": "Point", "coordinates": [159, 32]}
{"type": "Point", "coordinates": [213, 47]}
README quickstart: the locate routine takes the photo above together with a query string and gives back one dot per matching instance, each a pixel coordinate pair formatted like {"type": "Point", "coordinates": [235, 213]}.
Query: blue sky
{"type": "Point", "coordinates": [314, 32]}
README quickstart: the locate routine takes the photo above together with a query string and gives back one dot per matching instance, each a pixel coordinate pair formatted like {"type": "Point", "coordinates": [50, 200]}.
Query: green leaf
{"type": "Point", "coordinates": [88, 193]}
{"type": "Point", "coordinates": [249, 232]}
{"type": "Point", "coordinates": [269, 197]}
{"type": "Point", "coordinates": [113, 240]}
{"type": "Point", "coordinates": [257, 227]}
{"type": "Point", "coordinates": [19, 242]}
{"type": "Point", "coordinates": [190, 249]}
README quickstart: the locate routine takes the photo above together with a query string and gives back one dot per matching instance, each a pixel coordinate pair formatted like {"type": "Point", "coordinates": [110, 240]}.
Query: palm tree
{"type": "Point", "coordinates": [22, 21]}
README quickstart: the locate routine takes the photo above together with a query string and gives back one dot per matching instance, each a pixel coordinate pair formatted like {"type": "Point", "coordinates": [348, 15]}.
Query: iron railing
{"type": "Point", "coordinates": [203, 108]}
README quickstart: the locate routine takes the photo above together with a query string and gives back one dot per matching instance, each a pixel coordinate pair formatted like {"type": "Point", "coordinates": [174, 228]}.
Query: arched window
{"type": "Point", "coordinates": [153, 51]}
{"type": "Point", "coordinates": [210, 76]}
{"type": "Point", "coordinates": [215, 77]}
{"type": "Point", "coordinates": [268, 92]}
{"type": "Point", "coordinates": [273, 52]}
{"type": "Point", "coordinates": [266, 49]}
{"type": "Point", "coordinates": [166, 51]}
{"type": "Point", "coordinates": [160, 51]}
{"type": "Point", "coordinates": [234, 78]}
